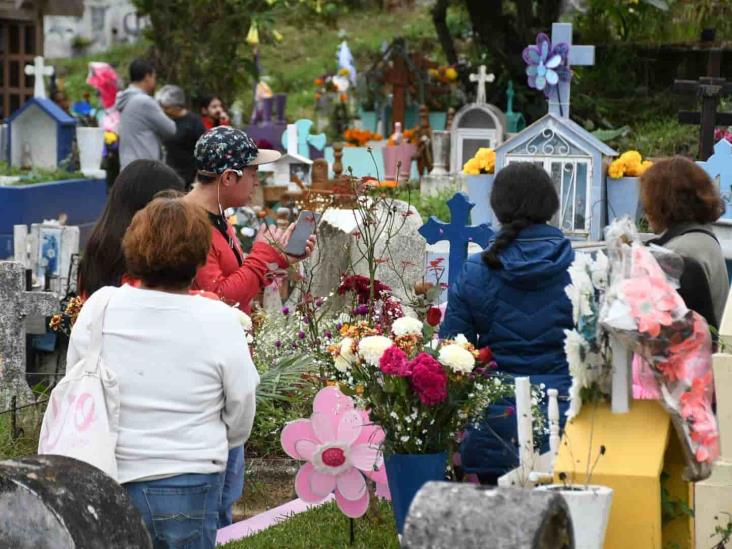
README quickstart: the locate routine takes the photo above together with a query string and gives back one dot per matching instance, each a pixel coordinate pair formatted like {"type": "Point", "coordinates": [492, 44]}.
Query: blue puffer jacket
{"type": "Point", "coordinates": [520, 312]}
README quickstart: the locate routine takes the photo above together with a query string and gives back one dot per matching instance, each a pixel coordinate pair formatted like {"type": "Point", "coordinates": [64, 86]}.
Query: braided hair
{"type": "Point", "coordinates": [523, 194]}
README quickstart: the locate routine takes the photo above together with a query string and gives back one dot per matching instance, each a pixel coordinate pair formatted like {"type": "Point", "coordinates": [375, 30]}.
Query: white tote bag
{"type": "Point", "coordinates": [82, 418]}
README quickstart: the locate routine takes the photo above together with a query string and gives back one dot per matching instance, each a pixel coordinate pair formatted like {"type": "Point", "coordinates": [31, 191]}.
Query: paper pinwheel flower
{"type": "Point", "coordinates": [546, 64]}
{"type": "Point", "coordinates": [340, 446]}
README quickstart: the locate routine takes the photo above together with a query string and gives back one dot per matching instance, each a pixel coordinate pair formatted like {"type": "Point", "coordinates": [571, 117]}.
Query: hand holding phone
{"type": "Point", "coordinates": [304, 228]}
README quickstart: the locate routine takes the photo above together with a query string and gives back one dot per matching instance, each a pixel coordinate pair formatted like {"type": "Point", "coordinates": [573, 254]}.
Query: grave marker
{"type": "Point", "coordinates": [710, 89]}
{"type": "Point", "coordinates": [457, 232]}
{"type": "Point", "coordinates": [305, 139]}
{"type": "Point", "coordinates": [38, 70]}
{"type": "Point", "coordinates": [15, 305]}
{"type": "Point", "coordinates": [481, 78]}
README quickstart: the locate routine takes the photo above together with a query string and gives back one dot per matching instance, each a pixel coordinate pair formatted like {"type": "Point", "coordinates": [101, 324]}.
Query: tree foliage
{"type": "Point", "coordinates": [201, 44]}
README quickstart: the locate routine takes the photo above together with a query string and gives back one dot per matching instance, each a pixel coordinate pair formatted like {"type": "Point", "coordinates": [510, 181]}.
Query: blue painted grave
{"type": "Point", "coordinates": [308, 145]}
{"type": "Point", "coordinates": [719, 168]}
{"type": "Point", "coordinates": [457, 232]}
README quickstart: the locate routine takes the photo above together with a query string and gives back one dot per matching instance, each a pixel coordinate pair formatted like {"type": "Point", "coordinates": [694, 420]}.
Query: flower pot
{"type": "Point", "coordinates": [399, 154]}
{"type": "Point", "coordinates": [407, 473]}
{"type": "Point", "coordinates": [623, 198]}
{"type": "Point", "coordinates": [589, 508]}
{"type": "Point", "coordinates": [479, 191]}
{"type": "Point", "coordinates": [91, 146]}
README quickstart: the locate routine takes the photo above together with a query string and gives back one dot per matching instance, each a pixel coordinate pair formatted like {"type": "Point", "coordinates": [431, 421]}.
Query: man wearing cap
{"type": "Point", "coordinates": [226, 163]}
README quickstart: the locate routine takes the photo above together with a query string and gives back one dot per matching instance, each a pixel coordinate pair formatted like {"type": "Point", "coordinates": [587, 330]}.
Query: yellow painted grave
{"type": "Point", "coordinates": [640, 445]}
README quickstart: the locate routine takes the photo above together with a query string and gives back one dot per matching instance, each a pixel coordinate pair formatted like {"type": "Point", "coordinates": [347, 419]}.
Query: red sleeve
{"type": "Point", "coordinates": [242, 285]}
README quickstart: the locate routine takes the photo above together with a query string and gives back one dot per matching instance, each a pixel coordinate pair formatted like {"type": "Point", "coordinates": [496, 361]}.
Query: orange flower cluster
{"type": "Point", "coordinates": [383, 184]}
{"type": "Point", "coordinates": [408, 343]}
{"type": "Point", "coordinates": [359, 330]}
{"type": "Point", "coordinates": [446, 75]}
{"type": "Point", "coordinates": [358, 138]}
{"type": "Point", "coordinates": [407, 135]}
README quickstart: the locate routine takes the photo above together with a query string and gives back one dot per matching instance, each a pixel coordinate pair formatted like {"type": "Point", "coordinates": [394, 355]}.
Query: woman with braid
{"type": "Point", "coordinates": [511, 298]}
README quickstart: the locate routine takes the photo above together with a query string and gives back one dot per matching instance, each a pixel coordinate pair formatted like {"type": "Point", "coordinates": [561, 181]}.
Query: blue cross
{"type": "Point", "coordinates": [457, 232]}
{"type": "Point", "coordinates": [719, 168]}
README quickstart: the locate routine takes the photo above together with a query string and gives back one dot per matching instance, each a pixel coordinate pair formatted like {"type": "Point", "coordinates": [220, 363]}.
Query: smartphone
{"type": "Point", "coordinates": [304, 227]}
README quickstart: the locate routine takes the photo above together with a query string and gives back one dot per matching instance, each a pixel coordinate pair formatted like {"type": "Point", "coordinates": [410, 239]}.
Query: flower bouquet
{"type": "Point", "coordinates": [643, 308]}
{"type": "Point", "coordinates": [629, 164]}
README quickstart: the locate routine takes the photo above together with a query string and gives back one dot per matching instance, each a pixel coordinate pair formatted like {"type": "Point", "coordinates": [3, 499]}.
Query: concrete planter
{"type": "Point", "coordinates": [82, 200]}
{"type": "Point", "coordinates": [589, 507]}
{"type": "Point", "coordinates": [623, 198]}
{"type": "Point", "coordinates": [91, 147]}
{"type": "Point", "coordinates": [479, 191]}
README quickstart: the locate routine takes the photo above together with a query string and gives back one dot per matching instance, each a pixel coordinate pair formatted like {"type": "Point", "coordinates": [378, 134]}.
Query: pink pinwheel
{"type": "Point", "coordinates": [340, 445]}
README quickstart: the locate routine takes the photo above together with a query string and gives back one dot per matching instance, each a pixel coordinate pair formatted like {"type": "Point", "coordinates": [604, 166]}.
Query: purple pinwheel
{"type": "Point", "coordinates": [546, 64]}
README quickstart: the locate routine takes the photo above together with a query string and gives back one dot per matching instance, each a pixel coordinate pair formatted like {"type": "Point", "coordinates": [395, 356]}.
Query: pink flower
{"type": "Point", "coordinates": [394, 362]}
{"type": "Point", "coordinates": [429, 380]}
{"type": "Point", "coordinates": [651, 302]}
{"type": "Point", "coordinates": [340, 445]}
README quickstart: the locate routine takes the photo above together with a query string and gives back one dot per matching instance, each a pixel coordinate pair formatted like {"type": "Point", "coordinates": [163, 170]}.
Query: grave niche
{"type": "Point", "coordinates": [475, 126]}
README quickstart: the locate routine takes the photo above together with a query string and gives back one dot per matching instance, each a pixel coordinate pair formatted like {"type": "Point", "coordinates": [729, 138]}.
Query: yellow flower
{"type": "Point", "coordinates": [451, 74]}
{"type": "Point", "coordinates": [434, 73]}
{"type": "Point", "coordinates": [631, 157]}
{"type": "Point", "coordinates": [344, 71]}
{"type": "Point", "coordinates": [110, 138]}
{"type": "Point", "coordinates": [633, 169]}
{"type": "Point", "coordinates": [616, 169]}
{"type": "Point", "coordinates": [277, 35]}
{"type": "Point", "coordinates": [472, 167]}
{"type": "Point", "coordinates": [253, 35]}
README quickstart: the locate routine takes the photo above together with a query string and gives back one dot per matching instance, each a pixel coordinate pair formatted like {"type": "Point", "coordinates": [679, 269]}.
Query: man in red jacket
{"type": "Point", "coordinates": [226, 162]}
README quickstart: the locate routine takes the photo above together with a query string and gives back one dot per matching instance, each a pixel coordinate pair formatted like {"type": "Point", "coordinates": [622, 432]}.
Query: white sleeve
{"type": "Point", "coordinates": [240, 379]}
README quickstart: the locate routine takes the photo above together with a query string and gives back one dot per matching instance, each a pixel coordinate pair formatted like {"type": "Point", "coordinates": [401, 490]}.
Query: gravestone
{"type": "Point", "coordinates": [713, 496]}
{"type": "Point", "coordinates": [449, 515]}
{"type": "Point", "coordinates": [457, 232]}
{"type": "Point", "coordinates": [439, 179]}
{"type": "Point", "coordinates": [38, 70]}
{"type": "Point", "coordinates": [719, 168]}
{"type": "Point", "coordinates": [291, 169]}
{"type": "Point", "coordinates": [308, 145]}
{"type": "Point", "coordinates": [402, 261]}
{"type": "Point", "coordinates": [37, 252]}
{"type": "Point", "coordinates": [16, 305]}
{"type": "Point", "coordinates": [481, 78]}
{"type": "Point", "coordinates": [58, 502]}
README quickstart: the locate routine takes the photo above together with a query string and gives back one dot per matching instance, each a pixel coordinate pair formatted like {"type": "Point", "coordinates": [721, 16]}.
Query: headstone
{"type": "Point", "coordinates": [713, 496]}
{"type": "Point", "coordinates": [457, 232]}
{"type": "Point", "coordinates": [16, 304]}
{"type": "Point", "coordinates": [439, 178]}
{"type": "Point", "coordinates": [38, 70]}
{"type": "Point", "coordinates": [475, 126]}
{"type": "Point", "coordinates": [481, 78]}
{"type": "Point", "coordinates": [292, 169]}
{"type": "Point", "coordinates": [449, 515]}
{"type": "Point", "coordinates": [710, 89]}
{"type": "Point", "coordinates": [58, 502]}
{"type": "Point", "coordinates": [306, 141]}
{"type": "Point", "coordinates": [48, 250]}
{"type": "Point", "coordinates": [337, 248]}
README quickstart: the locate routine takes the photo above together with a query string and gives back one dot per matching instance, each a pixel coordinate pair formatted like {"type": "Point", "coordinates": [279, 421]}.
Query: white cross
{"type": "Point", "coordinates": [38, 70]}
{"type": "Point", "coordinates": [578, 55]}
{"type": "Point", "coordinates": [481, 78]}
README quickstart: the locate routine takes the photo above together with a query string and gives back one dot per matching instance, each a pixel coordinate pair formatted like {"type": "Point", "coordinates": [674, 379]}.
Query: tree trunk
{"type": "Point", "coordinates": [439, 18]}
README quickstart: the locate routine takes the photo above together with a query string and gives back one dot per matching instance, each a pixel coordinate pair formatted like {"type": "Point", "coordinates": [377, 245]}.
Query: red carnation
{"type": "Point", "coordinates": [434, 315]}
{"type": "Point", "coordinates": [394, 362]}
{"type": "Point", "coordinates": [429, 380]}
{"type": "Point", "coordinates": [485, 355]}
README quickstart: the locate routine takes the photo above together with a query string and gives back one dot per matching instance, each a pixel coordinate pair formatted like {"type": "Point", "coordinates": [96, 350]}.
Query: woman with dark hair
{"type": "Point", "coordinates": [103, 262]}
{"type": "Point", "coordinates": [212, 110]}
{"type": "Point", "coordinates": [680, 202]}
{"type": "Point", "coordinates": [511, 298]}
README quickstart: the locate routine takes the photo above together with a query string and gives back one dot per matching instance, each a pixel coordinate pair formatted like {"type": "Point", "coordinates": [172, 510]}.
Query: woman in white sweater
{"type": "Point", "coordinates": [186, 379]}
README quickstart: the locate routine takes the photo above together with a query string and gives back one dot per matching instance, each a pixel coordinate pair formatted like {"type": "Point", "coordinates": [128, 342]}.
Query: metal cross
{"type": "Point", "coordinates": [457, 232]}
{"type": "Point", "coordinates": [481, 78]}
{"type": "Point", "coordinates": [38, 70]}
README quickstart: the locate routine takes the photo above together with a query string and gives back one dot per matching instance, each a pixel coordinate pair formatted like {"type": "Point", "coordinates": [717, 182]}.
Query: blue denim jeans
{"type": "Point", "coordinates": [233, 485]}
{"type": "Point", "coordinates": [180, 512]}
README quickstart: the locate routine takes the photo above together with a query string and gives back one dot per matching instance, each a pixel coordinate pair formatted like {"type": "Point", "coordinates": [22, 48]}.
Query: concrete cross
{"type": "Point", "coordinates": [457, 232]}
{"type": "Point", "coordinates": [303, 138]}
{"type": "Point", "coordinates": [578, 55]}
{"type": "Point", "coordinates": [15, 305]}
{"type": "Point", "coordinates": [38, 70]}
{"type": "Point", "coordinates": [481, 78]}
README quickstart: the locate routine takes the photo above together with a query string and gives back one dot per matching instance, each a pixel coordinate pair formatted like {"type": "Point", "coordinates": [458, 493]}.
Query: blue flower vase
{"type": "Point", "coordinates": [623, 198]}
{"type": "Point", "coordinates": [407, 473]}
{"type": "Point", "coordinates": [479, 192]}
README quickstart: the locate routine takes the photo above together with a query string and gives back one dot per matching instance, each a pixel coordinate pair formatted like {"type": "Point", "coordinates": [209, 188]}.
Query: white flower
{"type": "Point", "coordinates": [461, 340]}
{"type": "Point", "coordinates": [371, 348]}
{"type": "Point", "coordinates": [247, 232]}
{"type": "Point", "coordinates": [245, 321]}
{"type": "Point", "coordinates": [406, 326]}
{"type": "Point", "coordinates": [575, 401]}
{"type": "Point", "coordinates": [457, 358]}
{"type": "Point", "coordinates": [576, 351]}
{"type": "Point", "coordinates": [346, 357]}
{"type": "Point", "coordinates": [341, 364]}
{"type": "Point", "coordinates": [600, 269]}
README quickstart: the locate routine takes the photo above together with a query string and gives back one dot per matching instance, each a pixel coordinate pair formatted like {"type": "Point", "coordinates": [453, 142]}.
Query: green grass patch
{"type": "Point", "coordinates": [24, 441]}
{"type": "Point", "coordinates": [327, 527]}
{"type": "Point", "coordinates": [37, 175]}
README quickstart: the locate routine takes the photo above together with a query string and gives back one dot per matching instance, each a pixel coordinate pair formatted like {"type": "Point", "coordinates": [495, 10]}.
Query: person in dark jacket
{"type": "Point", "coordinates": [511, 298]}
{"type": "Point", "coordinates": [681, 202]}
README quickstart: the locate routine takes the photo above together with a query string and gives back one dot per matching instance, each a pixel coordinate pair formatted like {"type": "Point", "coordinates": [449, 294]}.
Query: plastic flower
{"type": "Point", "coordinates": [340, 446]}
{"type": "Point", "coordinates": [546, 64]}
{"type": "Point", "coordinates": [651, 303]}
{"type": "Point", "coordinates": [457, 358]}
{"type": "Point", "coordinates": [394, 362]}
{"type": "Point", "coordinates": [429, 380]}
{"type": "Point", "coordinates": [406, 326]}
{"type": "Point", "coordinates": [372, 348]}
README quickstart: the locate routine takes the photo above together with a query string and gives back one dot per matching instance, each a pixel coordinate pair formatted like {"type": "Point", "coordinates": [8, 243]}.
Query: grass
{"type": "Point", "coordinates": [12, 447]}
{"type": "Point", "coordinates": [37, 175]}
{"type": "Point", "coordinates": [327, 527]}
